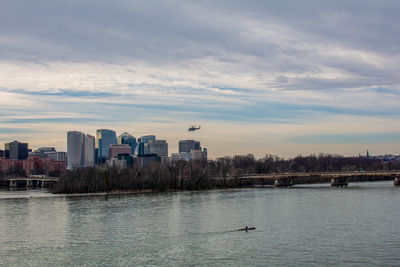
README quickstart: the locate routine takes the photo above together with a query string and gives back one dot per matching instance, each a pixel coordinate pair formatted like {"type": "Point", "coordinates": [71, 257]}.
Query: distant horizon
{"type": "Point", "coordinates": [260, 77]}
{"type": "Point", "coordinates": [362, 153]}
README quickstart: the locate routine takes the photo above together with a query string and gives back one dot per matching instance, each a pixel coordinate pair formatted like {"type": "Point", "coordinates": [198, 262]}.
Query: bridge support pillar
{"type": "Point", "coordinates": [13, 184]}
{"type": "Point", "coordinates": [339, 181]}
{"type": "Point", "coordinates": [285, 182]}
{"type": "Point", "coordinates": [29, 183]}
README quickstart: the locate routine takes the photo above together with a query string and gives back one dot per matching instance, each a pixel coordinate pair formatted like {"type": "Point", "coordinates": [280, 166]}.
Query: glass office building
{"type": "Point", "coordinates": [188, 145]}
{"type": "Point", "coordinates": [127, 139]}
{"type": "Point", "coordinates": [16, 150]}
{"type": "Point", "coordinates": [105, 138]}
{"type": "Point", "coordinates": [140, 148]}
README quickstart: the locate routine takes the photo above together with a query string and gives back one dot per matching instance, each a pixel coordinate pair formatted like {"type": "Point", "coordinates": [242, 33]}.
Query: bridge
{"type": "Point", "coordinates": [28, 182]}
{"type": "Point", "coordinates": [334, 178]}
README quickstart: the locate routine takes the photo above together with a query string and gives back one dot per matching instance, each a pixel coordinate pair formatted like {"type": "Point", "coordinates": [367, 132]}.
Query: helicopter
{"type": "Point", "coordinates": [194, 128]}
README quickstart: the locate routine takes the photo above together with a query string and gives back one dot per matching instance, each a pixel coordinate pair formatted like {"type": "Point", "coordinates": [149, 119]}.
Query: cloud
{"type": "Point", "coordinates": [362, 138]}
{"type": "Point", "coordinates": [296, 66]}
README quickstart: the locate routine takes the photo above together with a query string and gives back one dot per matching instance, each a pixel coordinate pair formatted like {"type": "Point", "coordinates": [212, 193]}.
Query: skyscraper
{"type": "Point", "coordinates": [89, 151]}
{"type": "Point", "coordinates": [80, 150]}
{"type": "Point", "coordinates": [140, 148]}
{"type": "Point", "coordinates": [105, 138]}
{"type": "Point", "coordinates": [188, 145]}
{"type": "Point", "coordinates": [16, 150]}
{"type": "Point", "coordinates": [127, 139]}
{"type": "Point", "coordinates": [159, 147]}
{"type": "Point", "coordinates": [75, 149]}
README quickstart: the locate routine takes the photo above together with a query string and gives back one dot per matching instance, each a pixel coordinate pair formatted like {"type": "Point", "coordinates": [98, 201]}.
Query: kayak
{"type": "Point", "coordinates": [250, 228]}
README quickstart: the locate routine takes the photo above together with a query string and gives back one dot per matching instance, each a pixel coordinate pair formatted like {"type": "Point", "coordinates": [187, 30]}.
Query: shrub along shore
{"type": "Point", "coordinates": [198, 175]}
{"type": "Point", "coordinates": [181, 176]}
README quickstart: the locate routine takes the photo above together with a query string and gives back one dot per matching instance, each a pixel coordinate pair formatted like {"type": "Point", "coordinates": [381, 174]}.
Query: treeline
{"type": "Point", "coordinates": [179, 176]}
{"type": "Point", "coordinates": [219, 173]}
{"type": "Point", "coordinates": [313, 163]}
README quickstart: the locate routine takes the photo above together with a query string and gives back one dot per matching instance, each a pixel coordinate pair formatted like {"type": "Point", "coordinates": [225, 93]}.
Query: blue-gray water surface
{"type": "Point", "coordinates": [302, 226]}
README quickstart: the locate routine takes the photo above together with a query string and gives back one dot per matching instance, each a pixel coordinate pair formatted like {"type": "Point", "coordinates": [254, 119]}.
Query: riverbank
{"type": "Point", "coordinates": [161, 178]}
{"type": "Point", "coordinates": [186, 228]}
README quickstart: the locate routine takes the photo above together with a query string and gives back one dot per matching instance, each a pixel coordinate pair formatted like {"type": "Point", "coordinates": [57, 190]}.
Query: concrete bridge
{"type": "Point", "coordinates": [28, 182]}
{"type": "Point", "coordinates": [334, 178]}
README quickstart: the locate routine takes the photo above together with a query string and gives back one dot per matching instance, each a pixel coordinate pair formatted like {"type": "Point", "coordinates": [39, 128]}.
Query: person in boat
{"type": "Point", "coordinates": [246, 228]}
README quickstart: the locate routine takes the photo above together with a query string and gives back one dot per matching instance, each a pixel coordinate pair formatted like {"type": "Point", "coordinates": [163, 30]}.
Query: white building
{"type": "Point", "coordinates": [80, 150]}
{"type": "Point", "coordinates": [90, 152]}
{"type": "Point", "coordinates": [57, 156]}
{"type": "Point", "coordinates": [181, 156]}
{"type": "Point", "coordinates": [198, 154]}
{"type": "Point", "coordinates": [75, 149]}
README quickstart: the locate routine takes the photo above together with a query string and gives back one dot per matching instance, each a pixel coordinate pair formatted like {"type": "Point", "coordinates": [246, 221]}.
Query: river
{"type": "Point", "coordinates": [302, 226]}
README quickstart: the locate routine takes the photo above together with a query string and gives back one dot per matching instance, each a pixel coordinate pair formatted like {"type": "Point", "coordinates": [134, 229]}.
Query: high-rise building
{"type": "Point", "coordinates": [140, 148]}
{"type": "Point", "coordinates": [80, 150]}
{"type": "Point", "coordinates": [17, 150]}
{"type": "Point", "coordinates": [90, 154]}
{"type": "Point", "coordinates": [147, 138]}
{"type": "Point", "coordinates": [159, 147]}
{"type": "Point", "coordinates": [188, 145]}
{"type": "Point", "coordinates": [127, 139]}
{"type": "Point", "coordinates": [75, 149]}
{"type": "Point", "coordinates": [105, 138]}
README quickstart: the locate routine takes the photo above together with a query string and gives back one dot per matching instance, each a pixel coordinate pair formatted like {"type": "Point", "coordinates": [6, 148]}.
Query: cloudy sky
{"type": "Point", "coordinates": [261, 77]}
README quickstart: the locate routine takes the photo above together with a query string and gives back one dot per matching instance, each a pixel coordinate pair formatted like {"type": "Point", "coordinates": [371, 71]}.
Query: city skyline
{"type": "Point", "coordinates": [262, 77]}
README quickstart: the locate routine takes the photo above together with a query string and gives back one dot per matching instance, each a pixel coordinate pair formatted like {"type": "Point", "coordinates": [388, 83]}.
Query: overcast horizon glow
{"type": "Point", "coordinates": [261, 77]}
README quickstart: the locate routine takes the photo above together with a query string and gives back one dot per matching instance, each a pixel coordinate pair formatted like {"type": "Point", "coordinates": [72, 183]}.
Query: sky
{"type": "Point", "coordinates": [261, 77]}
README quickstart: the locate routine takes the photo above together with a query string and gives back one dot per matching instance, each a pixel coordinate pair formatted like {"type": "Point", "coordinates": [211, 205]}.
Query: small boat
{"type": "Point", "coordinates": [247, 229]}
{"type": "Point", "coordinates": [396, 181]}
{"type": "Point", "coordinates": [339, 181]}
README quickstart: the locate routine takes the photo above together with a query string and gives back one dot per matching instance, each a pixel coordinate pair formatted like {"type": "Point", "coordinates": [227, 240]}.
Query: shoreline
{"type": "Point", "coordinates": [49, 194]}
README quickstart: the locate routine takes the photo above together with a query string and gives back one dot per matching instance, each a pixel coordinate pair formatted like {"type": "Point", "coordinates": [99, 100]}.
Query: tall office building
{"type": "Point", "coordinates": [16, 150]}
{"type": "Point", "coordinates": [105, 138]}
{"type": "Point", "coordinates": [90, 155]}
{"type": "Point", "coordinates": [75, 149]}
{"type": "Point", "coordinates": [159, 147]}
{"type": "Point", "coordinates": [127, 139]}
{"type": "Point", "coordinates": [147, 138]}
{"type": "Point", "coordinates": [140, 148]}
{"type": "Point", "coordinates": [188, 145]}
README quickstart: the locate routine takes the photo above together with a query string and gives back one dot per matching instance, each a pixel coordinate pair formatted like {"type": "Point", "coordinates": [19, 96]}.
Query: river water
{"type": "Point", "coordinates": [302, 226]}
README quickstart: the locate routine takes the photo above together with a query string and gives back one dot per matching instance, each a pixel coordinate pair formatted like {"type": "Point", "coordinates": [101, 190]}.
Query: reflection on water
{"type": "Point", "coordinates": [304, 225]}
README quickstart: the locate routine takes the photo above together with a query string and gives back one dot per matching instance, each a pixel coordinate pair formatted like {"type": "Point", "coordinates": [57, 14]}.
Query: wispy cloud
{"type": "Point", "coordinates": [361, 138]}
{"type": "Point", "coordinates": [312, 69]}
